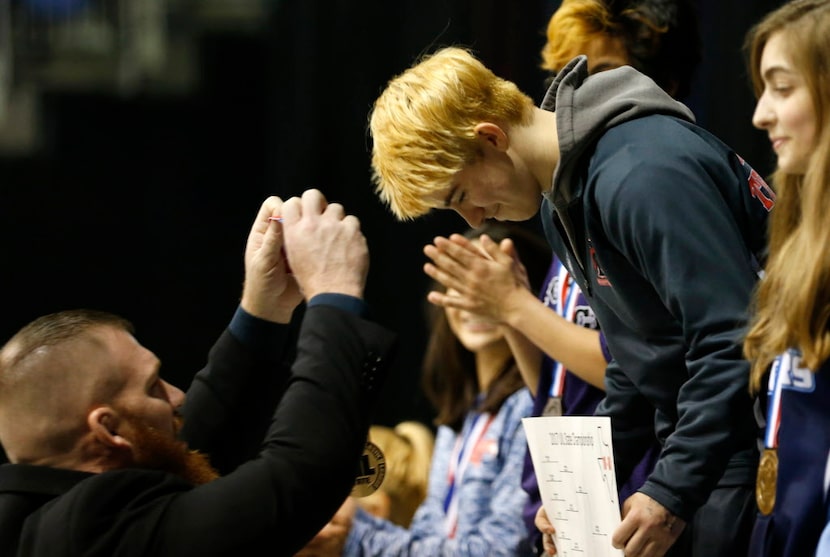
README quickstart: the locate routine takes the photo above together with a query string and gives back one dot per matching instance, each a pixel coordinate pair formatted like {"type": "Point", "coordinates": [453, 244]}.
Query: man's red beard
{"type": "Point", "coordinates": [155, 450]}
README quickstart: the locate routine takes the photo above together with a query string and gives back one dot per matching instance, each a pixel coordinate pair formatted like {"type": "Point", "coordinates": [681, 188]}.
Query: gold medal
{"type": "Point", "coordinates": [371, 471]}
{"type": "Point", "coordinates": [767, 478]}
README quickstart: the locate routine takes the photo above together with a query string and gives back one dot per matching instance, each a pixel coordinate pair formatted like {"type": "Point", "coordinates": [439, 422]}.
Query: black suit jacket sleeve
{"type": "Point", "coordinates": [309, 458]}
{"type": "Point", "coordinates": [230, 402]}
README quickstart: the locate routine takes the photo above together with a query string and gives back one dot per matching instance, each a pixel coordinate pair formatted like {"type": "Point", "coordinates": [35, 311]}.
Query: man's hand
{"type": "Point", "coordinates": [648, 529]}
{"type": "Point", "coordinates": [325, 247]}
{"type": "Point", "coordinates": [269, 292]}
{"type": "Point", "coordinates": [330, 541]}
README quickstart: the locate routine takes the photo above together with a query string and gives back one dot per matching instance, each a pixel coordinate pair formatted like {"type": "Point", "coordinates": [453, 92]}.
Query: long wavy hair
{"type": "Point", "coordinates": [792, 303]}
{"type": "Point", "coordinates": [449, 375]}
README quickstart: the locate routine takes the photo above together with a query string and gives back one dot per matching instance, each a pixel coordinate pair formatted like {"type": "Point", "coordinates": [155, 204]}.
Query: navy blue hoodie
{"type": "Point", "coordinates": [663, 227]}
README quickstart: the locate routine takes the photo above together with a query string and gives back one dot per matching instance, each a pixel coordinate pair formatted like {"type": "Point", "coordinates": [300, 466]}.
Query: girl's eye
{"type": "Point", "coordinates": [781, 88]}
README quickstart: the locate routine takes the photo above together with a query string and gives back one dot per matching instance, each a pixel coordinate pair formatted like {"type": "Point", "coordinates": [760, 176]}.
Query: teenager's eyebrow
{"type": "Point", "coordinates": [448, 199]}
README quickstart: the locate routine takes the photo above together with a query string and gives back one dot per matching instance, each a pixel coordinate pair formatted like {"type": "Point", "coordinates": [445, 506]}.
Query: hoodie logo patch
{"type": "Point", "coordinates": [758, 188]}
{"type": "Point", "coordinates": [602, 280]}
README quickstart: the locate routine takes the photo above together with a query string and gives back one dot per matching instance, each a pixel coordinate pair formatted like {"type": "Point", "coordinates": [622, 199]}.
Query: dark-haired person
{"type": "Point", "coordinates": [474, 504]}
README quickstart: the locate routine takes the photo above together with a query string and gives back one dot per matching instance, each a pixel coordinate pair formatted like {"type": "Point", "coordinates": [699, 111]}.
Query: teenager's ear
{"type": "Point", "coordinates": [104, 423]}
{"type": "Point", "coordinates": [493, 134]}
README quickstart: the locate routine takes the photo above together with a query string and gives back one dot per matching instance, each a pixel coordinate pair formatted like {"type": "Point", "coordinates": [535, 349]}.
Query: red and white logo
{"type": "Point", "coordinates": [602, 280]}
{"type": "Point", "coordinates": [759, 189]}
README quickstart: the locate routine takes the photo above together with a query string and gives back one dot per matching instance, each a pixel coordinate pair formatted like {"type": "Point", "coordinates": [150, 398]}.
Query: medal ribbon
{"type": "Point", "coordinates": [465, 446]}
{"type": "Point", "coordinates": [774, 404]}
{"type": "Point", "coordinates": [566, 307]}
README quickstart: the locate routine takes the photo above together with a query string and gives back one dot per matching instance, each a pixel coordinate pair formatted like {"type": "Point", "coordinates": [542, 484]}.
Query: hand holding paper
{"type": "Point", "coordinates": [574, 462]}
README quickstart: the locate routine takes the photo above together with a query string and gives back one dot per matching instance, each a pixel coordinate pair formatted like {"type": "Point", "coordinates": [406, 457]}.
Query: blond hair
{"type": "Point", "coordinates": [792, 305]}
{"type": "Point", "coordinates": [423, 126]}
{"type": "Point", "coordinates": [408, 453]}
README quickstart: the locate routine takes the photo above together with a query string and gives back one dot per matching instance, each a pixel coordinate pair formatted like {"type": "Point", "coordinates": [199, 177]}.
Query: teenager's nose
{"type": "Point", "coordinates": [473, 215]}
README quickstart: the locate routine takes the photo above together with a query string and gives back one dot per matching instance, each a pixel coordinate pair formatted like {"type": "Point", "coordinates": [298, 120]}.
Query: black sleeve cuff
{"type": "Point", "coordinates": [253, 332]}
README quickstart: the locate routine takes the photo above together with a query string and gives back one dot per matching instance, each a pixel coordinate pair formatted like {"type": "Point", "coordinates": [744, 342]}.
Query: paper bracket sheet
{"type": "Point", "coordinates": [573, 459]}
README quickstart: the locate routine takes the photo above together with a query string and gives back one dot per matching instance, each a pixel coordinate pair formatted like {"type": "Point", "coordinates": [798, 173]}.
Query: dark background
{"type": "Point", "coordinates": [141, 205]}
